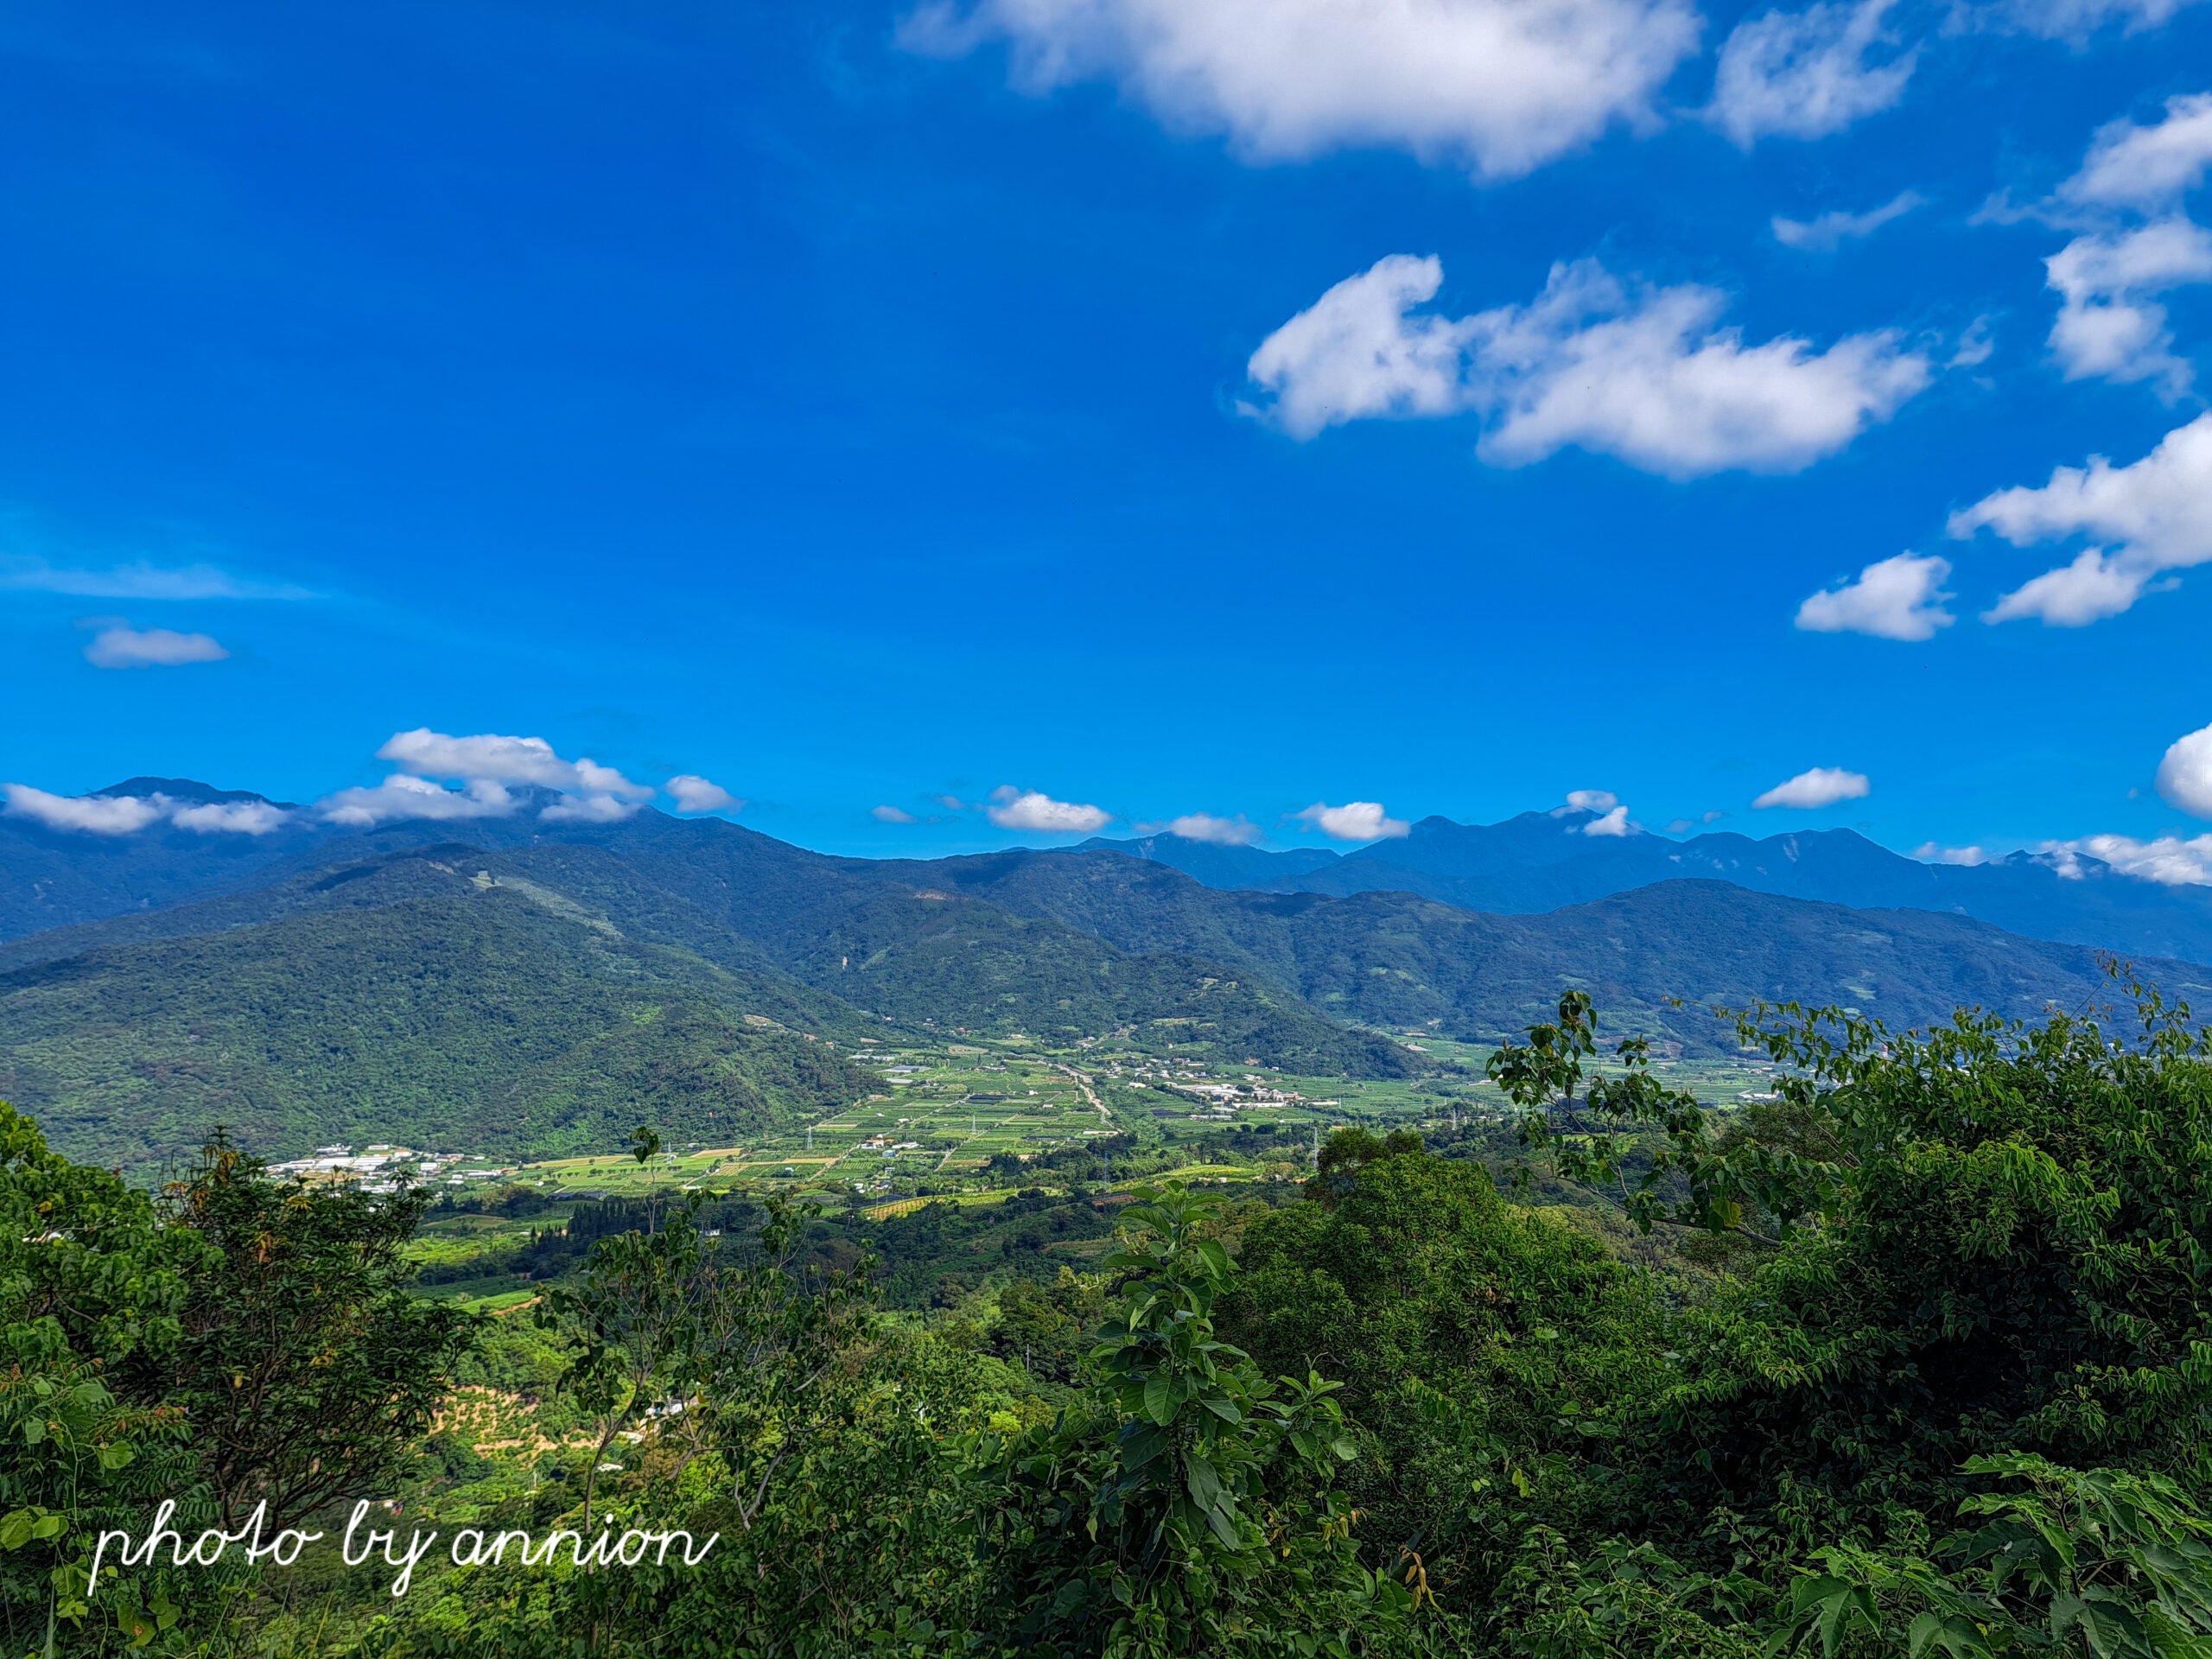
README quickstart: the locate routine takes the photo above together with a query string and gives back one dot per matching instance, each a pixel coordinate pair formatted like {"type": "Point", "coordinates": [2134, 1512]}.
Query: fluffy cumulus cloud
{"type": "Point", "coordinates": [401, 795]}
{"type": "Point", "coordinates": [123, 815]}
{"type": "Point", "coordinates": [2185, 774]}
{"type": "Point", "coordinates": [1806, 75]}
{"type": "Point", "coordinates": [2147, 169]}
{"type": "Point", "coordinates": [92, 815]}
{"type": "Point", "coordinates": [693, 793]}
{"type": "Point", "coordinates": [1831, 231]}
{"type": "Point", "coordinates": [2137, 244]}
{"type": "Point", "coordinates": [1893, 599]}
{"type": "Point", "coordinates": [1928, 852]}
{"type": "Point", "coordinates": [231, 817]}
{"type": "Point", "coordinates": [1820, 786]}
{"type": "Point", "coordinates": [2108, 326]}
{"type": "Point", "coordinates": [891, 814]}
{"type": "Point", "coordinates": [507, 759]}
{"type": "Point", "coordinates": [126, 647]}
{"type": "Point", "coordinates": [1644, 373]}
{"type": "Point", "coordinates": [1354, 821]}
{"type": "Point", "coordinates": [1499, 87]}
{"type": "Point", "coordinates": [482, 767]}
{"type": "Point", "coordinates": [1611, 817]}
{"type": "Point", "coordinates": [2151, 516]}
{"type": "Point", "coordinates": [1029, 809]}
{"type": "Point", "coordinates": [2169, 861]}
{"type": "Point", "coordinates": [1205, 827]}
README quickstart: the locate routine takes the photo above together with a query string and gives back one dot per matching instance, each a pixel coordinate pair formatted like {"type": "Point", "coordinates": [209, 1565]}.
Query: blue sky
{"type": "Point", "coordinates": [855, 406]}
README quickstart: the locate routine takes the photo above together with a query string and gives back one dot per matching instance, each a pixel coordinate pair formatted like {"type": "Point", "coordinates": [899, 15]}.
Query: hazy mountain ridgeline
{"type": "Point", "coordinates": [1529, 864]}
{"type": "Point", "coordinates": [1536, 862]}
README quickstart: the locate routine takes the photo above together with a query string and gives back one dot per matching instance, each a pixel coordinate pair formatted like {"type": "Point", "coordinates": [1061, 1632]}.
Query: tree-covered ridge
{"type": "Point", "coordinates": [481, 1022]}
{"type": "Point", "coordinates": [1393, 959]}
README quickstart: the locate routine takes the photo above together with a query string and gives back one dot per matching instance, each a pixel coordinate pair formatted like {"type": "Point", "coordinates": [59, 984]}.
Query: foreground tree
{"type": "Point", "coordinates": [1187, 1507]}
{"type": "Point", "coordinates": [306, 1369]}
{"type": "Point", "coordinates": [89, 1283]}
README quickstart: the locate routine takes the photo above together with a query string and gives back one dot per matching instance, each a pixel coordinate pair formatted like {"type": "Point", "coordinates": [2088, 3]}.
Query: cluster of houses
{"type": "Point", "coordinates": [383, 1168]}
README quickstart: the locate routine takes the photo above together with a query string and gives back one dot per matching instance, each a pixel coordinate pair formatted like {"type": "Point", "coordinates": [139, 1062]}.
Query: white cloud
{"type": "Point", "coordinates": [1821, 786]}
{"type": "Point", "coordinates": [2185, 773]}
{"type": "Point", "coordinates": [1354, 821]}
{"type": "Point", "coordinates": [1589, 800]}
{"type": "Point", "coordinates": [2109, 328]}
{"type": "Point", "coordinates": [2109, 324]}
{"type": "Point", "coordinates": [589, 808]}
{"type": "Point", "coordinates": [1614, 823]}
{"type": "Point", "coordinates": [693, 793]}
{"type": "Point", "coordinates": [92, 815]}
{"type": "Point", "coordinates": [1804, 74]}
{"type": "Point", "coordinates": [1901, 598]}
{"type": "Point", "coordinates": [138, 581]}
{"type": "Point", "coordinates": [401, 795]}
{"type": "Point", "coordinates": [2169, 861]}
{"type": "Point", "coordinates": [2076, 20]}
{"type": "Point", "coordinates": [507, 761]}
{"type": "Point", "coordinates": [1974, 346]}
{"type": "Point", "coordinates": [1501, 86]}
{"type": "Point", "coordinates": [2146, 168]}
{"type": "Point", "coordinates": [231, 818]}
{"type": "Point", "coordinates": [1204, 826]}
{"type": "Point", "coordinates": [2093, 588]}
{"type": "Point", "coordinates": [121, 815]}
{"type": "Point", "coordinates": [1830, 231]}
{"type": "Point", "coordinates": [1020, 809]}
{"type": "Point", "coordinates": [2153, 515]}
{"type": "Point", "coordinates": [1640, 374]}
{"type": "Point", "coordinates": [1355, 354]}
{"type": "Point", "coordinates": [1928, 852]}
{"type": "Point", "coordinates": [891, 814]}
{"type": "Point", "coordinates": [122, 647]}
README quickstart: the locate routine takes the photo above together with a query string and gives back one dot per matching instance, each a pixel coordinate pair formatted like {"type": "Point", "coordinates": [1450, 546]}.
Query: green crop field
{"type": "Point", "coordinates": [949, 1110]}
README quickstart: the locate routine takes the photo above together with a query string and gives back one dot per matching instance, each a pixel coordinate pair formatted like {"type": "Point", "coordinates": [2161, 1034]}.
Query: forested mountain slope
{"type": "Point", "coordinates": [1393, 959]}
{"type": "Point", "coordinates": [487, 1020]}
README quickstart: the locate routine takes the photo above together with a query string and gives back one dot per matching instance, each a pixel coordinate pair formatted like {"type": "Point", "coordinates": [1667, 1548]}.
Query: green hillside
{"type": "Point", "coordinates": [489, 1021]}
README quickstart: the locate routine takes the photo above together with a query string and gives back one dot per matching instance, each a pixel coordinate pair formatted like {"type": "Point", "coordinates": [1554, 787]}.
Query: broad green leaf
{"type": "Point", "coordinates": [1158, 1400]}
{"type": "Point", "coordinates": [1814, 1589]}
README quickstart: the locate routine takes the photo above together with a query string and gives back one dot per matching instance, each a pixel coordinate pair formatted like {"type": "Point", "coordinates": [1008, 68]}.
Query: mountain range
{"type": "Point", "coordinates": [527, 988]}
{"type": "Point", "coordinates": [1540, 860]}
